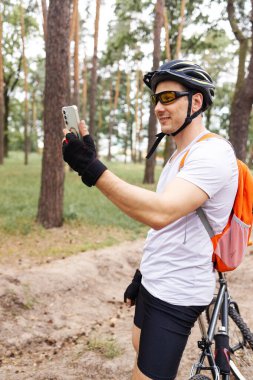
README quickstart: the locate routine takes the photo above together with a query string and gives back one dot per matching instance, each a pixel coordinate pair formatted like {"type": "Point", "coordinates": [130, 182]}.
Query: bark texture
{"type": "Point", "coordinates": [167, 34]}
{"type": "Point", "coordinates": [84, 88]}
{"type": "Point", "coordinates": [25, 70]}
{"type": "Point", "coordinates": [180, 29]}
{"type": "Point", "coordinates": [44, 14]}
{"type": "Point", "coordinates": [93, 88]}
{"type": "Point", "coordinates": [149, 175]}
{"type": "Point", "coordinates": [243, 95]}
{"type": "Point", "coordinates": [50, 210]}
{"type": "Point", "coordinates": [1, 96]}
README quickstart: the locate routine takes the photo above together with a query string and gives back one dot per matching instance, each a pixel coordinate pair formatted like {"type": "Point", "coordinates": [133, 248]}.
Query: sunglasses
{"type": "Point", "coordinates": [166, 97]}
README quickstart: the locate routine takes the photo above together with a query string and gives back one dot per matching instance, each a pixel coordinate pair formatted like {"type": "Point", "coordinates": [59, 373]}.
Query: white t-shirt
{"type": "Point", "coordinates": [177, 262]}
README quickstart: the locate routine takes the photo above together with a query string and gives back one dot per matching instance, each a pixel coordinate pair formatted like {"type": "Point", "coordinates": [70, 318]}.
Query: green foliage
{"type": "Point", "coordinates": [13, 73]}
{"type": "Point", "coordinates": [192, 16]}
{"type": "Point", "coordinates": [128, 47]}
{"type": "Point", "coordinates": [127, 34]}
{"type": "Point", "coordinates": [16, 110]}
{"type": "Point", "coordinates": [221, 108]}
{"type": "Point", "coordinates": [126, 9]}
{"type": "Point", "coordinates": [12, 48]}
{"type": "Point", "coordinates": [207, 43]}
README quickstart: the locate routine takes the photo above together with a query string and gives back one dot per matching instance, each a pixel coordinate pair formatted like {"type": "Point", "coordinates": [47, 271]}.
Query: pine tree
{"type": "Point", "coordinates": [50, 209]}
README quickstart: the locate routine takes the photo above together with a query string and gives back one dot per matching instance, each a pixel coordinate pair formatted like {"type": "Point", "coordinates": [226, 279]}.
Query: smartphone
{"type": "Point", "coordinates": [71, 119]}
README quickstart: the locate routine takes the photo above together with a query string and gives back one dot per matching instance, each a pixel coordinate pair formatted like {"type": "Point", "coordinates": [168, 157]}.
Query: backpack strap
{"type": "Point", "coordinates": [205, 222]}
{"type": "Point", "coordinates": [205, 137]}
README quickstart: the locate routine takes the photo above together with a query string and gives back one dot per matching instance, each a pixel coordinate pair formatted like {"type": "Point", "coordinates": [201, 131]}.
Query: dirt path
{"type": "Point", "coordinates": [65, 320]}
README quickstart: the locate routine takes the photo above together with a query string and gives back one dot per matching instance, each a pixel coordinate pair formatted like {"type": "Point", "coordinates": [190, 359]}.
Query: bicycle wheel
{"type": "Point", "coordinates": [241, 346]}
{"type": "Point", "coordinates": [199, 377]}
{"type": "Point", "coordinates": [240, 342]}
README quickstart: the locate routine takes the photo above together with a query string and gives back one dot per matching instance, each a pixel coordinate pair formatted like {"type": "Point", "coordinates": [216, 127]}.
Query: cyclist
{"type": "Point", "coordinates": [178, 279]}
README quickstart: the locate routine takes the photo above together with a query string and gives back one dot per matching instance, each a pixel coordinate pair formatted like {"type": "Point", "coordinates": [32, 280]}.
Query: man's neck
{"type": "Point", "coordinates": [184, 138]}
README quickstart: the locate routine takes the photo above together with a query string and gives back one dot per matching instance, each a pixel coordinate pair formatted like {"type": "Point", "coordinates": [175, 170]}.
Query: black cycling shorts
{"type": "Point", "coordinates": [165, 329]}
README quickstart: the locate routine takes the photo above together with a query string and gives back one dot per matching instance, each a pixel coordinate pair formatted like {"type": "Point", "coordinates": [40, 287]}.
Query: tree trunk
{"type": "Point", "coordinates": [76, 60]}
{"type": "Point", "coordinates": [243, 95]}
{"type": "Point", "coordinates": [8, 90]}
{"type": "Point", "coordinates": [25, 69]}
{"type": "Point", "coordinates": [208, 114]}
{"type": "Point", "coordinates": [84, 89]}
{"type": "Point", "coordinates": [50, 210]}
{"type": "Point", "coordinates": [109, 153]}
{"type": "Point", "coordinates": [93, 88]}
{"type": "Point", "coordinates": [113, 113]}
{"type": "Point", "coordinates": [44, 13]}
{"type": "Point", "coordinates": [1, 96]}
{"type": "Point", "coordinates": [169, 148]}
{"type": "Point", "coordinates": [250, 159]}
{"type": "Point", "coordinates": [73, 20]}
{"type": "Point", "coordinates": [136, 118]}
{"type": "Point", "coordinates": [6, 115]}
{"type": "Point", "coordinates": [34, 119]}
{"type": "Point", "coordinates": [141, 117]}
{"type": "Point", "coordinates": [10, 84]}
{"type": "Point", "coordinates": [149, 175]}
{"type": "Point", "coordinates": [100, 117]}
{"type": "Point", "coordinates": [167, 34]}
{"type": "Point", "coordinates": [180, 29]}
{"type": "Point", "coordinates": [128, 113]}
{"type": "Point", "coordinates": [117, 88]}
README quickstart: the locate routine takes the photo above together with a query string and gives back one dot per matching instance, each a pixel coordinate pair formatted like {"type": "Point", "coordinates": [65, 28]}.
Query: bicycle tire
{"type": "Point", "coordinates": [241, 343]}
{"type": "Point", "coordinates": [242, 357]}
{"type": "Point", "coordinates": [199, 377]}
{"type": "Point", "coordinates": [246, 333]}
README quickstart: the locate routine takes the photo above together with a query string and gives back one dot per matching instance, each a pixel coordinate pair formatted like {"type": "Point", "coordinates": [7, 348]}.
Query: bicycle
{"type": "Point", "coordinates": [223, 326]}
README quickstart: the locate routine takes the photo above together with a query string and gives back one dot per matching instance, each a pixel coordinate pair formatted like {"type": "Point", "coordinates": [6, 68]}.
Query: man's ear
{"type": "Point", "coordinates": [197, 101]}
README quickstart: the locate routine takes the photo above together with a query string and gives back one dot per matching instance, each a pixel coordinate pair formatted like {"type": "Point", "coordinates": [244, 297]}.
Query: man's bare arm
{"type": "Point", "coordinates": [153, 209]}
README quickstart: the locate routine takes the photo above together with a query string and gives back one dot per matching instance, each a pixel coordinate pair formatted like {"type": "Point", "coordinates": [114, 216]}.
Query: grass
{"type": "Point", "coordinates": [19, 193]}
{"type": "Point", "coordinates": [90, 220]}
{"type": "Point", "coordinates": [107, 347]}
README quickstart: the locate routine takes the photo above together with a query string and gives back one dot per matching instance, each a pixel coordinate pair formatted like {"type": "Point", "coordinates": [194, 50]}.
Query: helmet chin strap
{"type": "Point", "coordinates": [187, 121]}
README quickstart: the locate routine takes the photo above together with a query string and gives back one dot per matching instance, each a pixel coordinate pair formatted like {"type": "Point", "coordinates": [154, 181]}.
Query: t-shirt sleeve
{"type": "Point", "coordinates": [208, 165]}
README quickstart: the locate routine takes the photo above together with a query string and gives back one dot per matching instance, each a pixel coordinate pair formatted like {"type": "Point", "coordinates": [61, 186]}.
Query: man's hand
{"type": "Point", "coordinates": [81, 155]}
{"type": "Point", "coordinates": [132, 290]}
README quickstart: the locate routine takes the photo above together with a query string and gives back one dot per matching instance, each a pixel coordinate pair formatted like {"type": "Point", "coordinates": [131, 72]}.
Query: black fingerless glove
{"type": "Point", "coordinates": [132, 290]}
{"type": "Point", "coordinates": [81, 156]}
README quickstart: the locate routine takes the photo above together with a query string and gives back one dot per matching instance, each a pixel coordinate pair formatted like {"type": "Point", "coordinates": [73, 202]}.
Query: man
{"type": "Point", "coordinates": [178, 279]}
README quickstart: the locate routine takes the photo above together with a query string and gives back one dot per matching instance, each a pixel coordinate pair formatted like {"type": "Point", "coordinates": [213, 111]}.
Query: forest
{"type": "Point", "coordinates": [66, 253]}
{"type": "Point", "coordinates": [93, 54]}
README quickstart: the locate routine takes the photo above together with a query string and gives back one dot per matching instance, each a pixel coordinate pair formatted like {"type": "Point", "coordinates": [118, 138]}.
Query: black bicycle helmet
{"type": "Point", "coordinates": [190, 75]}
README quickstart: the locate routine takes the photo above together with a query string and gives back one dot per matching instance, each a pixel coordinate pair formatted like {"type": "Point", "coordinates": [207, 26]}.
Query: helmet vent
{"type": "Point", "coordinates": [197, 74]}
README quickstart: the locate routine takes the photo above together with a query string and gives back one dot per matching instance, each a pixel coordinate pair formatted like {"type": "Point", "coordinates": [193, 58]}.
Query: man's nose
{"type": "Point", "coordinates": [159, 106]}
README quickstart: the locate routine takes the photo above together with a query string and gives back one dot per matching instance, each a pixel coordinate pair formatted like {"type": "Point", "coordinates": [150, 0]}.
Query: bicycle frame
{"type": "Point", "coordinates": [220, 311]}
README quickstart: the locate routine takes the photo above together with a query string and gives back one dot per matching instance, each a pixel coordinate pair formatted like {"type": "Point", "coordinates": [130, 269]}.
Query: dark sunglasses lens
{"type": "Point", "coordinates": [167, 97]}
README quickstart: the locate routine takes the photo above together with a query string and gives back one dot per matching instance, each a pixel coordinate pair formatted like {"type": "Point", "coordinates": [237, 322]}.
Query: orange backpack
{"type": "Point", "coordinates": [229, 247]}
